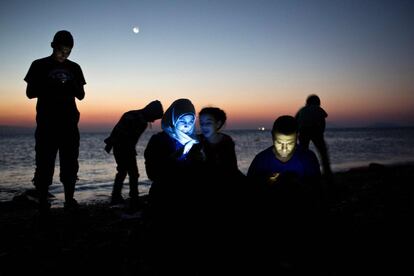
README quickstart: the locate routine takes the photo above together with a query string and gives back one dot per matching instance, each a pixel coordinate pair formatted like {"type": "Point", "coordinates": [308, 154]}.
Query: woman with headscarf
{"type": "Point", "coordinates": [172, 162]}
{"type": "Point", "coordinates": [171, 151]}
{"type": "Point", "coordinates": [172, 158]}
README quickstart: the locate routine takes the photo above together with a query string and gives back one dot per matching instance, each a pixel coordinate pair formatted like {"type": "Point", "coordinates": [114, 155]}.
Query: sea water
{"type": "Point", "coordinates": [347, 148]}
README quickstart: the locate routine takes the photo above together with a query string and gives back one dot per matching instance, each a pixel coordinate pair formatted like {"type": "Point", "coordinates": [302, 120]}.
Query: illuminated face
{"type": "Point", "coordinates": [61, 53]}
{"type": "Point", "coordinates": [185, 123]}
{"type": "Point", "coordinates": [284, 145]}
{"type": "Point", "coordinates": [209, 126]}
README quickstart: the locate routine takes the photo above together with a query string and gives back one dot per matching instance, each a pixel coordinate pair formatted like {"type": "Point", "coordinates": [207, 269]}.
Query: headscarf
{"type": "Point", "coordinates": [176, 110]}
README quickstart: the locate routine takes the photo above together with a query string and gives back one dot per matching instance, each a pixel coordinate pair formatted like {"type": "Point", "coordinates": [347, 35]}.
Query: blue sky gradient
{"type": "Point", "coordinates": [255, 59]}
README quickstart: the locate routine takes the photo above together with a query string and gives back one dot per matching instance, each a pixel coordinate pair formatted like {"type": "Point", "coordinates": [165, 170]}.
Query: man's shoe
{"type": "Point", "coordinates": [117, 200]}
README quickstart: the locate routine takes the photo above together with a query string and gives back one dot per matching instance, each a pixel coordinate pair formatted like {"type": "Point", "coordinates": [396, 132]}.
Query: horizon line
{"type": "Point", "coordinates": [98, 129]}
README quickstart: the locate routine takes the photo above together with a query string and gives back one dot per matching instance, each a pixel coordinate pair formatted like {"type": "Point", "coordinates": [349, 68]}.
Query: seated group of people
{"type": "Point", "coordinates": [178, 155]}
{"type": "Point", "coordinates": [199, 200]}
{"type": "Point", "coordinates": [199, 203]}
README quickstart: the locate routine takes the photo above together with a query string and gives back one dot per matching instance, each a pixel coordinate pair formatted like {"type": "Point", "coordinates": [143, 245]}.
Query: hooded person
{"type": "Point", "coordinates": [173, 155]}
{"type": "Point", "coordinates": [173, 161]}
{"type": "Point", "coordinates": [123, 140]}
{"type": "Point", "coordinates": [179, 123]}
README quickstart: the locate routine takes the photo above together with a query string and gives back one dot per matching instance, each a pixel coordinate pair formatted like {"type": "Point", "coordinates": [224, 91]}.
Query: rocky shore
{"type": "Point", "coordinates": [368, 230]}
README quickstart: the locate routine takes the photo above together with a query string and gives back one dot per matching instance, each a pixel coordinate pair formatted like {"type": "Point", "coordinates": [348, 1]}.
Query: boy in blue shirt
{"type": "Point", "coordinates": [285, 157]}
{"type": "Point", "coordinates": [285, 178]}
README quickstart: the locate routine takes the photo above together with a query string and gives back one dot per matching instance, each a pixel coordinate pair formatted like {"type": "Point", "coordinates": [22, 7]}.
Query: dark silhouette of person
{"type": "Point", "coordinates": [311, 122]}
{"type": "Point", "coordinates": [220, 160]}
{"type": "Point", "coordinates": [123, 139]}
{"type": "Point", "coordinates": [171, 161]}
{"type": "Point", "coordinates": [223, 210]}
{"type": "Point", "coordinates": [56, 81]}
{"type": "Point", "coordinates": [218, 147]}
{"type": "Point", "coordinates": [284, 178]}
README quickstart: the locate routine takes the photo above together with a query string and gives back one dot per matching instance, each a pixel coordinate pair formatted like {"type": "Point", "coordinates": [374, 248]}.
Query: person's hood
{"type": "Point", "coordinates": [153, 111]}
{"type": "Point", "coordinates": [177, 109]}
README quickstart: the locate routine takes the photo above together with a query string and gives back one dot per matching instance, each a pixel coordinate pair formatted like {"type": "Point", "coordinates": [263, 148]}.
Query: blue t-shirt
{"type": "Point", "coordinates": [303, 163]}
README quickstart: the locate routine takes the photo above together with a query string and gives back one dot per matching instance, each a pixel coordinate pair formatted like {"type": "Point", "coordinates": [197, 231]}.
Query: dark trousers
{"type": "Point", "coordinates": [126, 165]}
{"type": "Point", "coordinates": [305, 136]}
{"type": "Point", "coordinates": [51, 139]}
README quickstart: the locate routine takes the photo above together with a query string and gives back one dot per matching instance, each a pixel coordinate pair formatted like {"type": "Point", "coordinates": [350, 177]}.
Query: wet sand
{"type": "Point", "coordinates": [368, 230]}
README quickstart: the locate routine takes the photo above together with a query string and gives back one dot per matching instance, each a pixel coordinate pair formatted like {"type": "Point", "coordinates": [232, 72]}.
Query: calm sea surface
{"type": "Point", "coordinates": [347, 148]}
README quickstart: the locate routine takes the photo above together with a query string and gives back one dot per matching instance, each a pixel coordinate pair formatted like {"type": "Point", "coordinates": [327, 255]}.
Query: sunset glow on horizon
{"type": "Point", "coordinates": [256, 60]}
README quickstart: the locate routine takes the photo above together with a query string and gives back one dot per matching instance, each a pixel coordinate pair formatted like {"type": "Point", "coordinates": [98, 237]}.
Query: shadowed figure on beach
{"type": "Point", "coordinates": [224, 204]}
{"type": "Point", "coordinates": [56, 81]}
{"type": "Point", "coordinates": [311, 122]}
{"type": "Point", "coordinates": [123, 139]}
{"type": "Point", "coordinates": [219, 154]}
{"type": "Point", "coordinates": [172, 162]}
{"type": "Point", "coordinates": [217, 146]}
{"type": "Point", "coordinates": [285, 180]}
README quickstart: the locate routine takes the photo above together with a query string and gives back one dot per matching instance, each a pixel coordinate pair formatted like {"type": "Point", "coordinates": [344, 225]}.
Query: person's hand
{"type": "Point", "coordinates": [273, 178]}
{"type": "Point", "coordinates": [188, 146]}
{"type": "Point", "coordinates": [182, 137]}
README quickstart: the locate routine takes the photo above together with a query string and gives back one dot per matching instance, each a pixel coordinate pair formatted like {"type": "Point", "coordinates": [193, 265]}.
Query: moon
{"type": "Point", "coordinates": [135, 30]}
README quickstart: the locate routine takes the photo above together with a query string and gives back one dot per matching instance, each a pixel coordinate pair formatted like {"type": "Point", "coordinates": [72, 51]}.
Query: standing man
{"type": "Point", "coordinates": [56, 81]}
{"type": "Point", "coordinates": [311, 123]}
